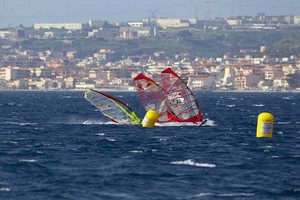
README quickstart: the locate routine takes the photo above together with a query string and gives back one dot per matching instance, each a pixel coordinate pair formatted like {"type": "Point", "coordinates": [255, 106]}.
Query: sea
{"type": "Point", "coordinates": [56, 145]}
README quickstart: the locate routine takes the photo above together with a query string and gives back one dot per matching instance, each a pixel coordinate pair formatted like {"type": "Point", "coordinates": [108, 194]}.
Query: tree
{"type": "Point", "coordinates": [184, 34]}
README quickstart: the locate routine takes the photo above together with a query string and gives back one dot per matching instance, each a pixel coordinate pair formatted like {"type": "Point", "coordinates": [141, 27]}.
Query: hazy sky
{"type": "Point", "coordinates": [28, 12]}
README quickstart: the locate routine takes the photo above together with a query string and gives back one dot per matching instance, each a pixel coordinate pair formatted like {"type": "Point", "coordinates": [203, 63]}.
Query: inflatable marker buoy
{"type": "Point", "coordinates": [265, 123]}
{"type": "Point", "coordinates": [149, 119]}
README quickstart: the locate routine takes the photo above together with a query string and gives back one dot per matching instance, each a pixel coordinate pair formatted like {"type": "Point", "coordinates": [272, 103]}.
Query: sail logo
{"type": "Point", "coordinates": [175, 98]}
{"type": "Point", "coordinates": [176, 101]}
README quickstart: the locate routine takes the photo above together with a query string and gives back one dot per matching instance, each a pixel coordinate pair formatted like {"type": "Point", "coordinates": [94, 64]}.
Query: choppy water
{"type": "Point", "coordinates": [55, 145]}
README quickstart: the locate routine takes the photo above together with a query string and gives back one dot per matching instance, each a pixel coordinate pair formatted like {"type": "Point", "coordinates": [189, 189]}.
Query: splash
{"type": "Point", "coordinates": [209, 122]}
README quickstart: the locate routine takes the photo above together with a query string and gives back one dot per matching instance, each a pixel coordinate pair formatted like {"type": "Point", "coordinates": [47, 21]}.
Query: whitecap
{"type": "Point", "coordinates": [162, 139]}
{"type": "Point", "coordinates": [192, 163]}
{"type": "Point", "coordinates": [268, 146]}
{"type": "Point", "coordinates": [4, 189]}
{"type": "Point", "coordinates": [27, 124]}
{"type": "Point", "coordinates": [224, 194]}
{"type": "Point", "coordinates": [9, 142]}
{"type": "Point", "coordinates": [28, 160]}
{"type": "Point", "coordinates": [236, 194]}
{"type": "Point", "coordinates": [231, 105]}
{"type": "Point", "coordinates": [284, 122]}
{"type": "Point", "coordinates": [110, 139]}
{"type": "Point", "coordinates": [136, 151]}
{"type": "Point", "coordinates": [258, 105]}
{"type": "Point", "coordinates": [286, 97]}
{"type": "Point", "coordinates": [204, 194]}
{"type": "Point", "coordinates": [100, 134]}
{"type": "Point", "coordinates": [11, 104]}
{"type": "Point", "coordinates": [275, 156]}
{"type": "Point", "coordinates": [67, 97]}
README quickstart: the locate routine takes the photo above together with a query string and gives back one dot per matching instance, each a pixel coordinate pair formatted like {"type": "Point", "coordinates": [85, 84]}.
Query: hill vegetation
{"type": "Point", "coordinates": [195, 42]}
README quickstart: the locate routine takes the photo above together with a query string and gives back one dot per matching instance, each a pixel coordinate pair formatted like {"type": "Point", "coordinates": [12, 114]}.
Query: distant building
{"type": "Point", "coordinates": [172, 23]}
{"type": "Point", "coordinates": [297, 19]}
{"type": "Point", "coordinates": [12, 34]}
{"type": "Point", "coordinates": [17, 84]}
{"type": "Point", "coordinates": [134, 32]}
{"type": "Point", "coordinates": [136, 24]}
{"type": "Point", "coordinates": [97, 23]}
{"type": "Point", "coordinates": [42, 72]}
{"type": "Point", "coordinates": [68, 26]}
{"type": "Point", "coordinates": [245, 82]}
{"type": "Point", "coordinates": [234, 22]}
{"type": "Point", "coordinates": [14, 73]}
{"type": "Point", "coordinates": [103, 54]}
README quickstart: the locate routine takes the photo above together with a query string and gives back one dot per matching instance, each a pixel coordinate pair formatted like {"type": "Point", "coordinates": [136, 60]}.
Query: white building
{"type": "Point", "coordinates": [234, 22]}
{"type": "Point", "coordinates": [173, 23]}
{"type": "Point", "coordinates": [136, 24]}
{"type": "Point", "coordinates": [68, 26]}
{"type": "Point", "coordinates": [297, 19]}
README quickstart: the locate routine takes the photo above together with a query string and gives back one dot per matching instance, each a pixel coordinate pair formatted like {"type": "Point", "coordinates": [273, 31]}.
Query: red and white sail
{"type": "Point", "coordinates": [152, 97]}
{"type": "Point", "coordinates": [179, 98]}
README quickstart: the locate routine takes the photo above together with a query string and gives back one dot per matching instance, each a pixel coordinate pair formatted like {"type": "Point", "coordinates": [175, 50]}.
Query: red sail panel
{"type": "Point", "coordinates": [152, 97]}
{"type": "Point", "coordinates": [180, 99]}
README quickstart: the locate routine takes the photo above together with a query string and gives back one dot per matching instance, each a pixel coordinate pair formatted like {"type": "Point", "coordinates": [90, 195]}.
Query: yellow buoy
{"type": "Point", "coordinates": [265, 123]}
{"type": "Point", "coordinates": [150, 119]}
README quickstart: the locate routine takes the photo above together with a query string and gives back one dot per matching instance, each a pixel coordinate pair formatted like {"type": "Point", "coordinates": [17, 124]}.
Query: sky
{"type": "Point", "coordinates": [27, 12]}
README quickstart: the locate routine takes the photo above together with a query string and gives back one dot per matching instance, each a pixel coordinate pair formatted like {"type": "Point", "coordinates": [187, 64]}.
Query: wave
{"type": "Point", "coordinates": [284, 122]}
{"type": "Point", "coordinates": [110, 139]}
{"type": "Point", "coordinates": [100, 134]}
{"type": "Point", "coordinates": [258, 105]}
{"type": "Point", "coordinates": [28, 160]}
{"type": "Point", "coordinates": [224, 194]}
{"type": "Point", "coordinates": [287, 97]}
{"type": "Point", "coordinates": [9, 142]}
{"type": "Point", "coordinates": [192, 163]}
{"type": "Point", "coordinates": [4, 189]}
{"type": "Point", "coordinates": [231, 105]}
{"type": "Point", "coordinates": [136, 151]}
{"type": "Point", "coordinates": [20, 123]}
